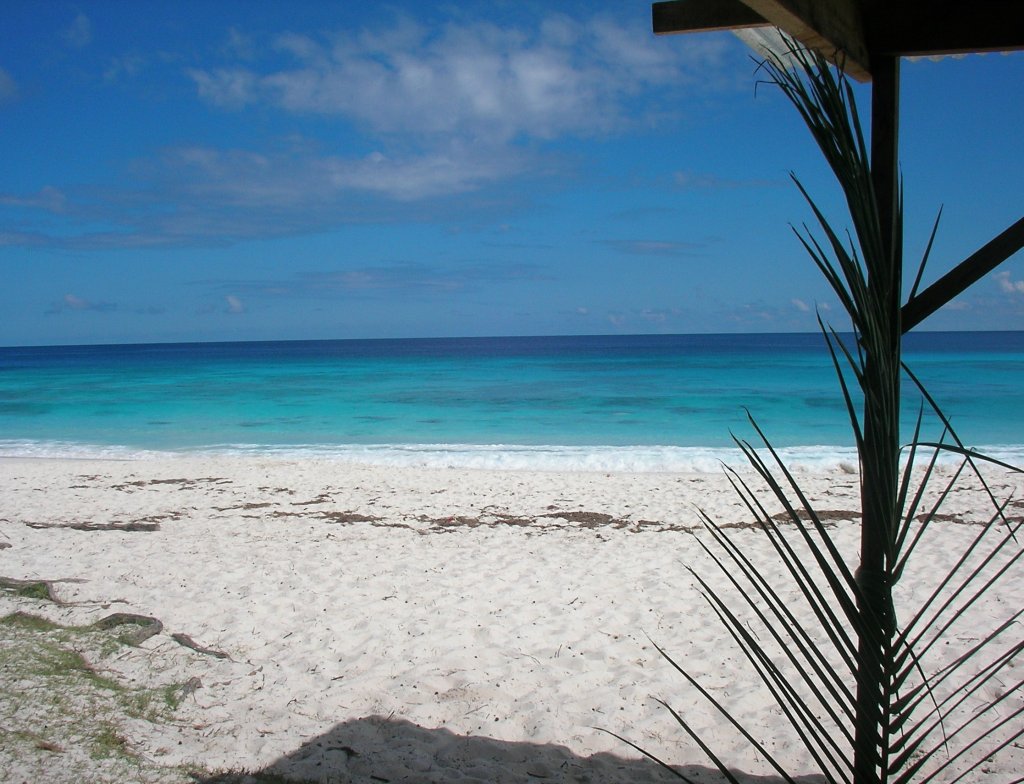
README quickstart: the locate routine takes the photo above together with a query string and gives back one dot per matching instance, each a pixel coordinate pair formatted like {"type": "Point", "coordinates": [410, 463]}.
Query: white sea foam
{"type": "Point", "coordinates": [510, 457]}
{"type": "Point", "coordinates": [71, 450]}
{"type": "Point", "coordinates": [501, 457]}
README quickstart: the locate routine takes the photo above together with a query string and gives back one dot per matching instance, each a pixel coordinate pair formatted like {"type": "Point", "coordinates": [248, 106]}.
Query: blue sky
{"type": "Point", "coordinates": [270, 170]}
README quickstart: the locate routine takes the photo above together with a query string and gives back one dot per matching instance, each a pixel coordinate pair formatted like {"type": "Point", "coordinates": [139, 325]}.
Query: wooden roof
{"type": "Point", "coordinates": [856, 33]}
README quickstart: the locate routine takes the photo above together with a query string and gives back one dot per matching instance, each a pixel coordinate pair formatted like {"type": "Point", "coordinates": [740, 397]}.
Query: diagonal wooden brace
{"type": "Point", "coordinates": [969, 271]}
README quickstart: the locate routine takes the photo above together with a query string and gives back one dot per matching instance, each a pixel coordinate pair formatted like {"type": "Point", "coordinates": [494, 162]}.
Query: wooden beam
{"type": "Point", "coordinates": [851, 33]}
{"type": "Point", "coordinates": [945, 27]}
{"type": "Point", "coordinates": [832, 27]}
{"type": "Point", "coordinates": [968, 272]}
{"type": "Point", "coordinates": [690, 16]}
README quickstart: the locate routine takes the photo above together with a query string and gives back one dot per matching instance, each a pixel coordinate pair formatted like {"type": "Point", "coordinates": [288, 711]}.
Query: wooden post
{"type": "Point", "coordinates": [880, 458]}
{"type": "Point", "coordinates": [885, 131]}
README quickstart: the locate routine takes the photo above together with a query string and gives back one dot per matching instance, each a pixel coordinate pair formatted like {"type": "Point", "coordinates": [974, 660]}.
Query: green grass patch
{"type": "Point", "coordinates": [28, 622]}
{"type": "Point", "coordinates": [27, 589]}
{"type": "Point", "coordinates": [56, 708]}
{"type": "Point", "coordinates": [34, 591]}
{"type": "Point", "coordinates": [110, 742]}
{"type": "Point", "coordinates": [59, 713]}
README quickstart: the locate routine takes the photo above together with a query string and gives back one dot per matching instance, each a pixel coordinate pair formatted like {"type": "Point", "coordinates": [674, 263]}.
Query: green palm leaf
{"type": "Point", "coordinates": [870, 699]}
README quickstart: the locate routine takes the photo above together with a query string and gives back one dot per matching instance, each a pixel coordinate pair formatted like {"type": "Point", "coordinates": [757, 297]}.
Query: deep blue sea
{"type": "Point", "coordinates": [666, 402]}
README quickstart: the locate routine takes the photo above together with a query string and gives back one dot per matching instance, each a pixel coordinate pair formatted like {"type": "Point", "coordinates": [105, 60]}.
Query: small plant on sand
{"type": "Point", "coordinates": [58, 711]}
{"type": "Point", "coordinates": [62, 721]}
{"type": "Point", "coordinates": [881, 682]}
{"type": "Point", "coordinates": [109, 742]}
{"type": "Point", "coordinates": [27, 589]}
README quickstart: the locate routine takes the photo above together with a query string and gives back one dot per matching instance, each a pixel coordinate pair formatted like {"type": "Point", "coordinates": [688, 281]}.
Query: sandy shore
{"type": "Point", "coordinates": [406, 624]}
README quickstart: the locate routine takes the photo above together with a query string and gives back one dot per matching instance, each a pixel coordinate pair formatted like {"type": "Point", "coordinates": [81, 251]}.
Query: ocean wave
{"type": "Point", "coordinates": [499, 457]}
{"type": "Point", "coordinates": [73, 450]}
{"type": "Point", "coordinates": [509, 457]}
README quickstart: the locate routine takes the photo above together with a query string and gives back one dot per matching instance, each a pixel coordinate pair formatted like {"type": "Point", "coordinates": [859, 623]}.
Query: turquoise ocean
{"type": "Point", "coordinates": [638, 403]}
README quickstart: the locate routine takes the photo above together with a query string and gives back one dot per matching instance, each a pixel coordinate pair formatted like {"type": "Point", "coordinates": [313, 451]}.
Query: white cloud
{"type": "Point", "coordinates": [658, 316]}
{"type": "Point", "coordinates": [201, 195]}
{"type": "Point", "coordinates": [654, 247]}
{"type": "Point", "coordinates": [8, 87]}
{"type": "Point", "coordinates": [240, 44]}
{"type": "Point", "coordinates": [22, 239]}
{"type": "Point", "coordinates": [48, 198]}
{"type": "Point", "coordinates": [72, 302]}
{"type": "Point", "coordinates": [800, 305]}
{"type": "Point", "coordinates": [79, 32]}
{"type": "Point", "coordinates": [1008, 285]}
{"type": "Point", "coordinates": [470, 78]}
{"type": "Point", "coordinates": [695, 181]}
{"type": "Point", "coordinates": [455, 170]}
{"type": "Point", "coordinates": [245, 179]}
{"type": "Point", "coordinates": [369, 281]}
{"type": "Point", "coordinates": [231, 88]}
{"type": "Point", "coordinates": [125, 66]}
{"type": "Point", "coordinates": [456, 108]}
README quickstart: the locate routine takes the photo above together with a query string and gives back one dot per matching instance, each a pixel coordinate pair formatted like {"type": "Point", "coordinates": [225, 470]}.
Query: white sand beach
{"type": "Point", "coordinates": [381, 624]}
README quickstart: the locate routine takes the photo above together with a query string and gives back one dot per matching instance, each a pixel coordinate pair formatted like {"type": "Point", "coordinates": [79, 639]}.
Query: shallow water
{"type": "Point", "coordinates": [602, 402]}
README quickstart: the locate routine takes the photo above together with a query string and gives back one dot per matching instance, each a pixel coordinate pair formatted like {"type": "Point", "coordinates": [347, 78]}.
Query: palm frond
{"type": "Point", "coordinates": [925, 257]}
{"type": "Point", "coordinates": [872, 700]}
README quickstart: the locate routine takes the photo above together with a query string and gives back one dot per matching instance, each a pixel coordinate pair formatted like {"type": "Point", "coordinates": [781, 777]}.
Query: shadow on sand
{"type": "Point", "coordinates": [377, 750]}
